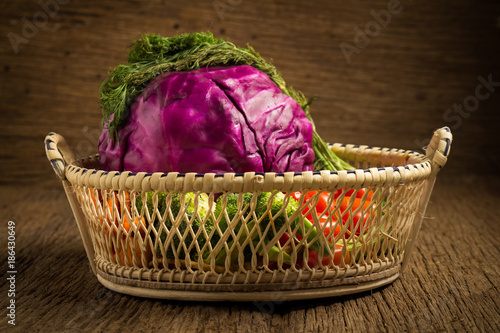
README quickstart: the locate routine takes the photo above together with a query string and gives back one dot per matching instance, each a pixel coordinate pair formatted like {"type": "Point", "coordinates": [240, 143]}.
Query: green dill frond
{"type": "Point", "coordinates": [154, 47]}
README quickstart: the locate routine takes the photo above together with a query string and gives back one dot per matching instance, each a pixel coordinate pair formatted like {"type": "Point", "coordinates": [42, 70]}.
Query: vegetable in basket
{"type": "Point", "coordinates": [194, 103]}
{"type": "Point", "coordinates": [126, 239]}
{"type": "Point", "coordinates": [190, 213]}
{"type": "Point", "coordinates": [194, 225]}
{"type": "Point", "coordinates": [270, 213]}
{"type": "Point", "coordinates": [341, 206]}
{"type": "Point", "coordinates": [181, 221]}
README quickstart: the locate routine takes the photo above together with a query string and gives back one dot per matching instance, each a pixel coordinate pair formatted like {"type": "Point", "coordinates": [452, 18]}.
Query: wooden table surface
{"type": "Point", "coordinates": [423, 66]}
{"type": "Point", "coordinates": [451, 284]}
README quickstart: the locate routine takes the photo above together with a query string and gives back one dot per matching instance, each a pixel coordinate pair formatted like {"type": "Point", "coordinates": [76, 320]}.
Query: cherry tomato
{"type": "Point", "coordinates": [284, 239]}
{"type": "Point", "coordinates": [337, 256]}
{"type": "Point", "coordinates": [357, 203]}
{"type": "Point", "coordinates": [322, 221]}
{"type": "Point", "coordinates": [338, 192]}
{"type": "Point", "coordinates": [363, 213]}
{"type": "Point", "coordinates": [355, 221]}
{"type": "Point", "coordinates": [321, 204]}
{"type": "Point", "coordinates": [313, 258]}
{"type": "Point", "coordinates": [322, 200]}
{"type": "Point", "coordinates": [359, 193]}
{"type": "Point", "coordinates": [328, 226]}
{"type": "Point", "coordinates": [295, 195]}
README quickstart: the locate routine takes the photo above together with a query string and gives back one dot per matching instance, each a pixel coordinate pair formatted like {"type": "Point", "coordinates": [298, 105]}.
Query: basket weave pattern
{"type": "Point", "coordinates": [165, 230]}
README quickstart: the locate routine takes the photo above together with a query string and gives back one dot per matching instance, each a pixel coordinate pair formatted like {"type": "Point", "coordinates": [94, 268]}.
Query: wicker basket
{"type": "Point", "coordinates": [222, 237]}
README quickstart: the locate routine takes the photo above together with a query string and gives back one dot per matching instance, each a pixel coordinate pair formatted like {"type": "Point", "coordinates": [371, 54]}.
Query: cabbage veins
{"type": "Point", "coordinates": [217, 119]}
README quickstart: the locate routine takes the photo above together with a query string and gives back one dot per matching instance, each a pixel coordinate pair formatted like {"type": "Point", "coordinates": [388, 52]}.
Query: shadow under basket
{"type": "Point", "coordinates": [252, 236]}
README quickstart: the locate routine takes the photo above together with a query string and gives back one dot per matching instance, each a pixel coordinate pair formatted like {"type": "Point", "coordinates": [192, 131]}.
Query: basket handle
{"type": "Point", "coordinates": [59, 153]}
{"type": "Point", "coordinates": [438, 149]}
{"type": "Point", "coordinates": [437, 152]}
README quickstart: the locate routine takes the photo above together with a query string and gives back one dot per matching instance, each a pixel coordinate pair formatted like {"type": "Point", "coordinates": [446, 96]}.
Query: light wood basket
{"type": "Point", "coordinates": [178, 248]}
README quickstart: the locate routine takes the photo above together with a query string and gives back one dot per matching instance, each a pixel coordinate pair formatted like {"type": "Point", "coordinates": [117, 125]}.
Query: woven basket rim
{"type": "Point", "coordinates": [412, 166]}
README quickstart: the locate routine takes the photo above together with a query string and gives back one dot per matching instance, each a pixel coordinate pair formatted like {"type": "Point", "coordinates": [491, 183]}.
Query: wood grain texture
{"type": "Point", "coordinates": [393, 93]}
{"type": "Point", "coordinates": [451, 284]}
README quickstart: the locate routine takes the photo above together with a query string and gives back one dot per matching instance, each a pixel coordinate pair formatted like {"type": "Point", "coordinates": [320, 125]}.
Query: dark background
{"type": "Point", "coordinates": [400, 84]}
{"type": "Point", "coordinates": [393, 93]}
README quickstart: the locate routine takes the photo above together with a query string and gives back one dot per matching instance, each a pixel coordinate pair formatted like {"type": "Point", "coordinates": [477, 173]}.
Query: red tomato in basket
{"type": "Point", "coordinates": [313, 258]}
{"type": "Point", "coordinates": [296, 196]}
{"type": "Point", "coordinates": [328, 226]}
{"type": "Point", "coordinates": [363, 214]}
{"type": "Point", "coordinates": [284, 239]}
{"type": "Point", "coordinates": [337, 256]}
{"type": "Point", "coordinates": [356, 203]}
{"type": "Point", "coordinates": [321, 204]}
{"type": "Point", "coordinates": [359, 193]}
{"type": "Point", "coordinates": [358, 227]}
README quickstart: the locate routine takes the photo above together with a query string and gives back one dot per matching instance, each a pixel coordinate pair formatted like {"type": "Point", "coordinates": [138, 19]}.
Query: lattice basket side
{"type": "Point", "coordinates": [247, 233]}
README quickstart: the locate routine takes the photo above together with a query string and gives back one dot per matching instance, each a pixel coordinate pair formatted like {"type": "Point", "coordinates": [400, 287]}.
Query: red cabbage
{"type": "Point", "coordinates": [222, 119]}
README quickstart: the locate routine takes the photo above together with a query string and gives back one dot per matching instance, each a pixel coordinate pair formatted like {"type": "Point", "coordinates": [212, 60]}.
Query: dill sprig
{"type": "Point", "coordinates": [153, 55]}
